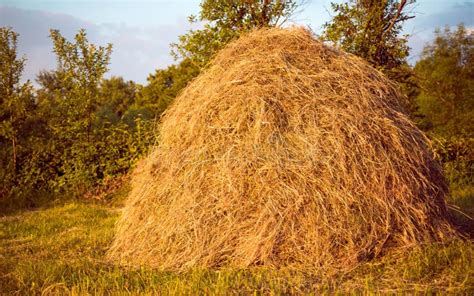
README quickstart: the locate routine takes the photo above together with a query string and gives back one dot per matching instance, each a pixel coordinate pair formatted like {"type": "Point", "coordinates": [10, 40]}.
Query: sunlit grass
{"type": "Point", "coordinates": [61, 250]}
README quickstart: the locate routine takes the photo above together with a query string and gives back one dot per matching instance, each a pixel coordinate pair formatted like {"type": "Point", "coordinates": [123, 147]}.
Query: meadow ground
{"type": "Point", "coordinates": [60, 249]}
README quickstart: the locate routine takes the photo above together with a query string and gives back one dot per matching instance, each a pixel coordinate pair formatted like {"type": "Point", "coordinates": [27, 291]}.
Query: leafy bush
{"type": "Point", "coordinates": [457, 156]}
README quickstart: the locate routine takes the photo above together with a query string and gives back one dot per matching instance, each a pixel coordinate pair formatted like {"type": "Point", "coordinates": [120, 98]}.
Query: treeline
{"type": "Point", "coordinates": [77, 131]}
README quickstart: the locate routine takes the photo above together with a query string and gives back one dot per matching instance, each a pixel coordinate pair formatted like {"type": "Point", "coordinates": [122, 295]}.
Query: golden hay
{"type": "Point", "coordinates": [283, 152]}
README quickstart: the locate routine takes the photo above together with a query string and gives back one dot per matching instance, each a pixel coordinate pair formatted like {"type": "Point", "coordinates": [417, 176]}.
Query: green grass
{"type": "Point", "coordinates": [61, 250]}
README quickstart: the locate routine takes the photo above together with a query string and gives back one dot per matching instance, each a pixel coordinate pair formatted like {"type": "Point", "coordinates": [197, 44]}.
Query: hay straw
{"type": "Point", "coordinates": [284, 152]}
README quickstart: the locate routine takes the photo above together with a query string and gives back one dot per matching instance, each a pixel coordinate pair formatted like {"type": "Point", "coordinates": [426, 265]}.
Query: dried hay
{"type": "Point", "coordinates": [283, 152]}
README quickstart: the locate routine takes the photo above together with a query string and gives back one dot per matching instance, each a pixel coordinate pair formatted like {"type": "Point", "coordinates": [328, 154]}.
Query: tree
{"type": "Point", "coordinates": [164, 85]}
{"type": "Point", "coordinates": [70, 99]}
{"type": "Point", "coordinates": [371, 30]}
{"type": "Point", "coordinates": [223, 21]}
{"type": "Point", "coordinates": [115, 97]}
{"type": "Point", "coordinates": [89, 137]}
{"type": "Point", "coordinates": [81, 66]}
{"type": "Point", "coordinates": [446, 78]}
{"type": "Point", "coordinates": [15, 102]}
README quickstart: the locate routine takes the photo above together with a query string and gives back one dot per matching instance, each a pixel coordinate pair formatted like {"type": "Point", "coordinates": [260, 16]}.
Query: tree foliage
{"type": "Point", "coordinates": [80, 69]}
{"type": "Point", "coordinates": [372, 29]}
{"type": "Point", "coordinates": [115, 96]}
{"type": "Point", "coordinates": [445, 102]}
{"type": "Point", "coordinates": [80, 131]}
{"type": "Point", "coordinates": [222, 21]}
{"type": "Point", "coordinates": [225, 20]}
{"type": "Point", "coordinates": [446, 79]}
{"type": "Point", "coordinates": [163, 86]}
{"type": "Point", "coordinates": [16, 101]}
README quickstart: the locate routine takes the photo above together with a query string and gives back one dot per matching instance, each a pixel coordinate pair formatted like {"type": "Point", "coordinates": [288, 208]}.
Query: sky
{"type": "Point", "coordinates": [142, 30]}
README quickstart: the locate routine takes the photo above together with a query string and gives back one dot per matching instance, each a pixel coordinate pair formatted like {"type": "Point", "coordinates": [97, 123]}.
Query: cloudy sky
{"type": "Point", "coordinates": [141, 31]}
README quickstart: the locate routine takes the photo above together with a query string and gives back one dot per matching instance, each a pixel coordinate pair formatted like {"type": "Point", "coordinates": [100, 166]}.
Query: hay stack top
{"type": "Point", "coordinates": [282, 152]}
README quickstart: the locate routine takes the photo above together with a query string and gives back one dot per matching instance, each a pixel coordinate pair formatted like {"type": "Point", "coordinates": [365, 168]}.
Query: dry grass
{"type": "Point", "coordinates": [284, 152]}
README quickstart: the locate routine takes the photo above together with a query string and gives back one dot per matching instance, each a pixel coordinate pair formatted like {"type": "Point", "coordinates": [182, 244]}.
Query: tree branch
{"type": "Point", "coordinates": [396, 17]}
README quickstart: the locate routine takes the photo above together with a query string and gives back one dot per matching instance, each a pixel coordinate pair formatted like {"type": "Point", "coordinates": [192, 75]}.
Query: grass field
{"type": "Point", "coordinates": [60, 250]}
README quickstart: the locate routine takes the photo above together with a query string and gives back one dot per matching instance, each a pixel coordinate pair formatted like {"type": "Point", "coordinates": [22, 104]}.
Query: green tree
{"type": "Point", "coordinates": [371, 29]}
{"type": "Point", "coordinates": [223, 21]}
{"type": "Point", "coordinates": [90, 139]}
{"type": "Point", "coordinates": [115, 97]}
{"type": "Point", "coordinates": [81, 66]}
{"type": "Point", "coordinates": [16, 101]}
{"type": "Point", "coordinates": [70, 99]}
{"type": "Point", "coordinates": [446, 78]}
{"type": "Point", "coordinates": [163, 86]}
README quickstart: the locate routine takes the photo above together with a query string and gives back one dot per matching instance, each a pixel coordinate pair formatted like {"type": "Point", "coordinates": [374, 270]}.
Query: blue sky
{"type": "Point", "coordinates": [141, 31]}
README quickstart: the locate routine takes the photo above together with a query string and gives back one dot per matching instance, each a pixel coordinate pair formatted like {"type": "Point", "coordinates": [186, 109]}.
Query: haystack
{"type": "Point", "coordinates": [283, 152]}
